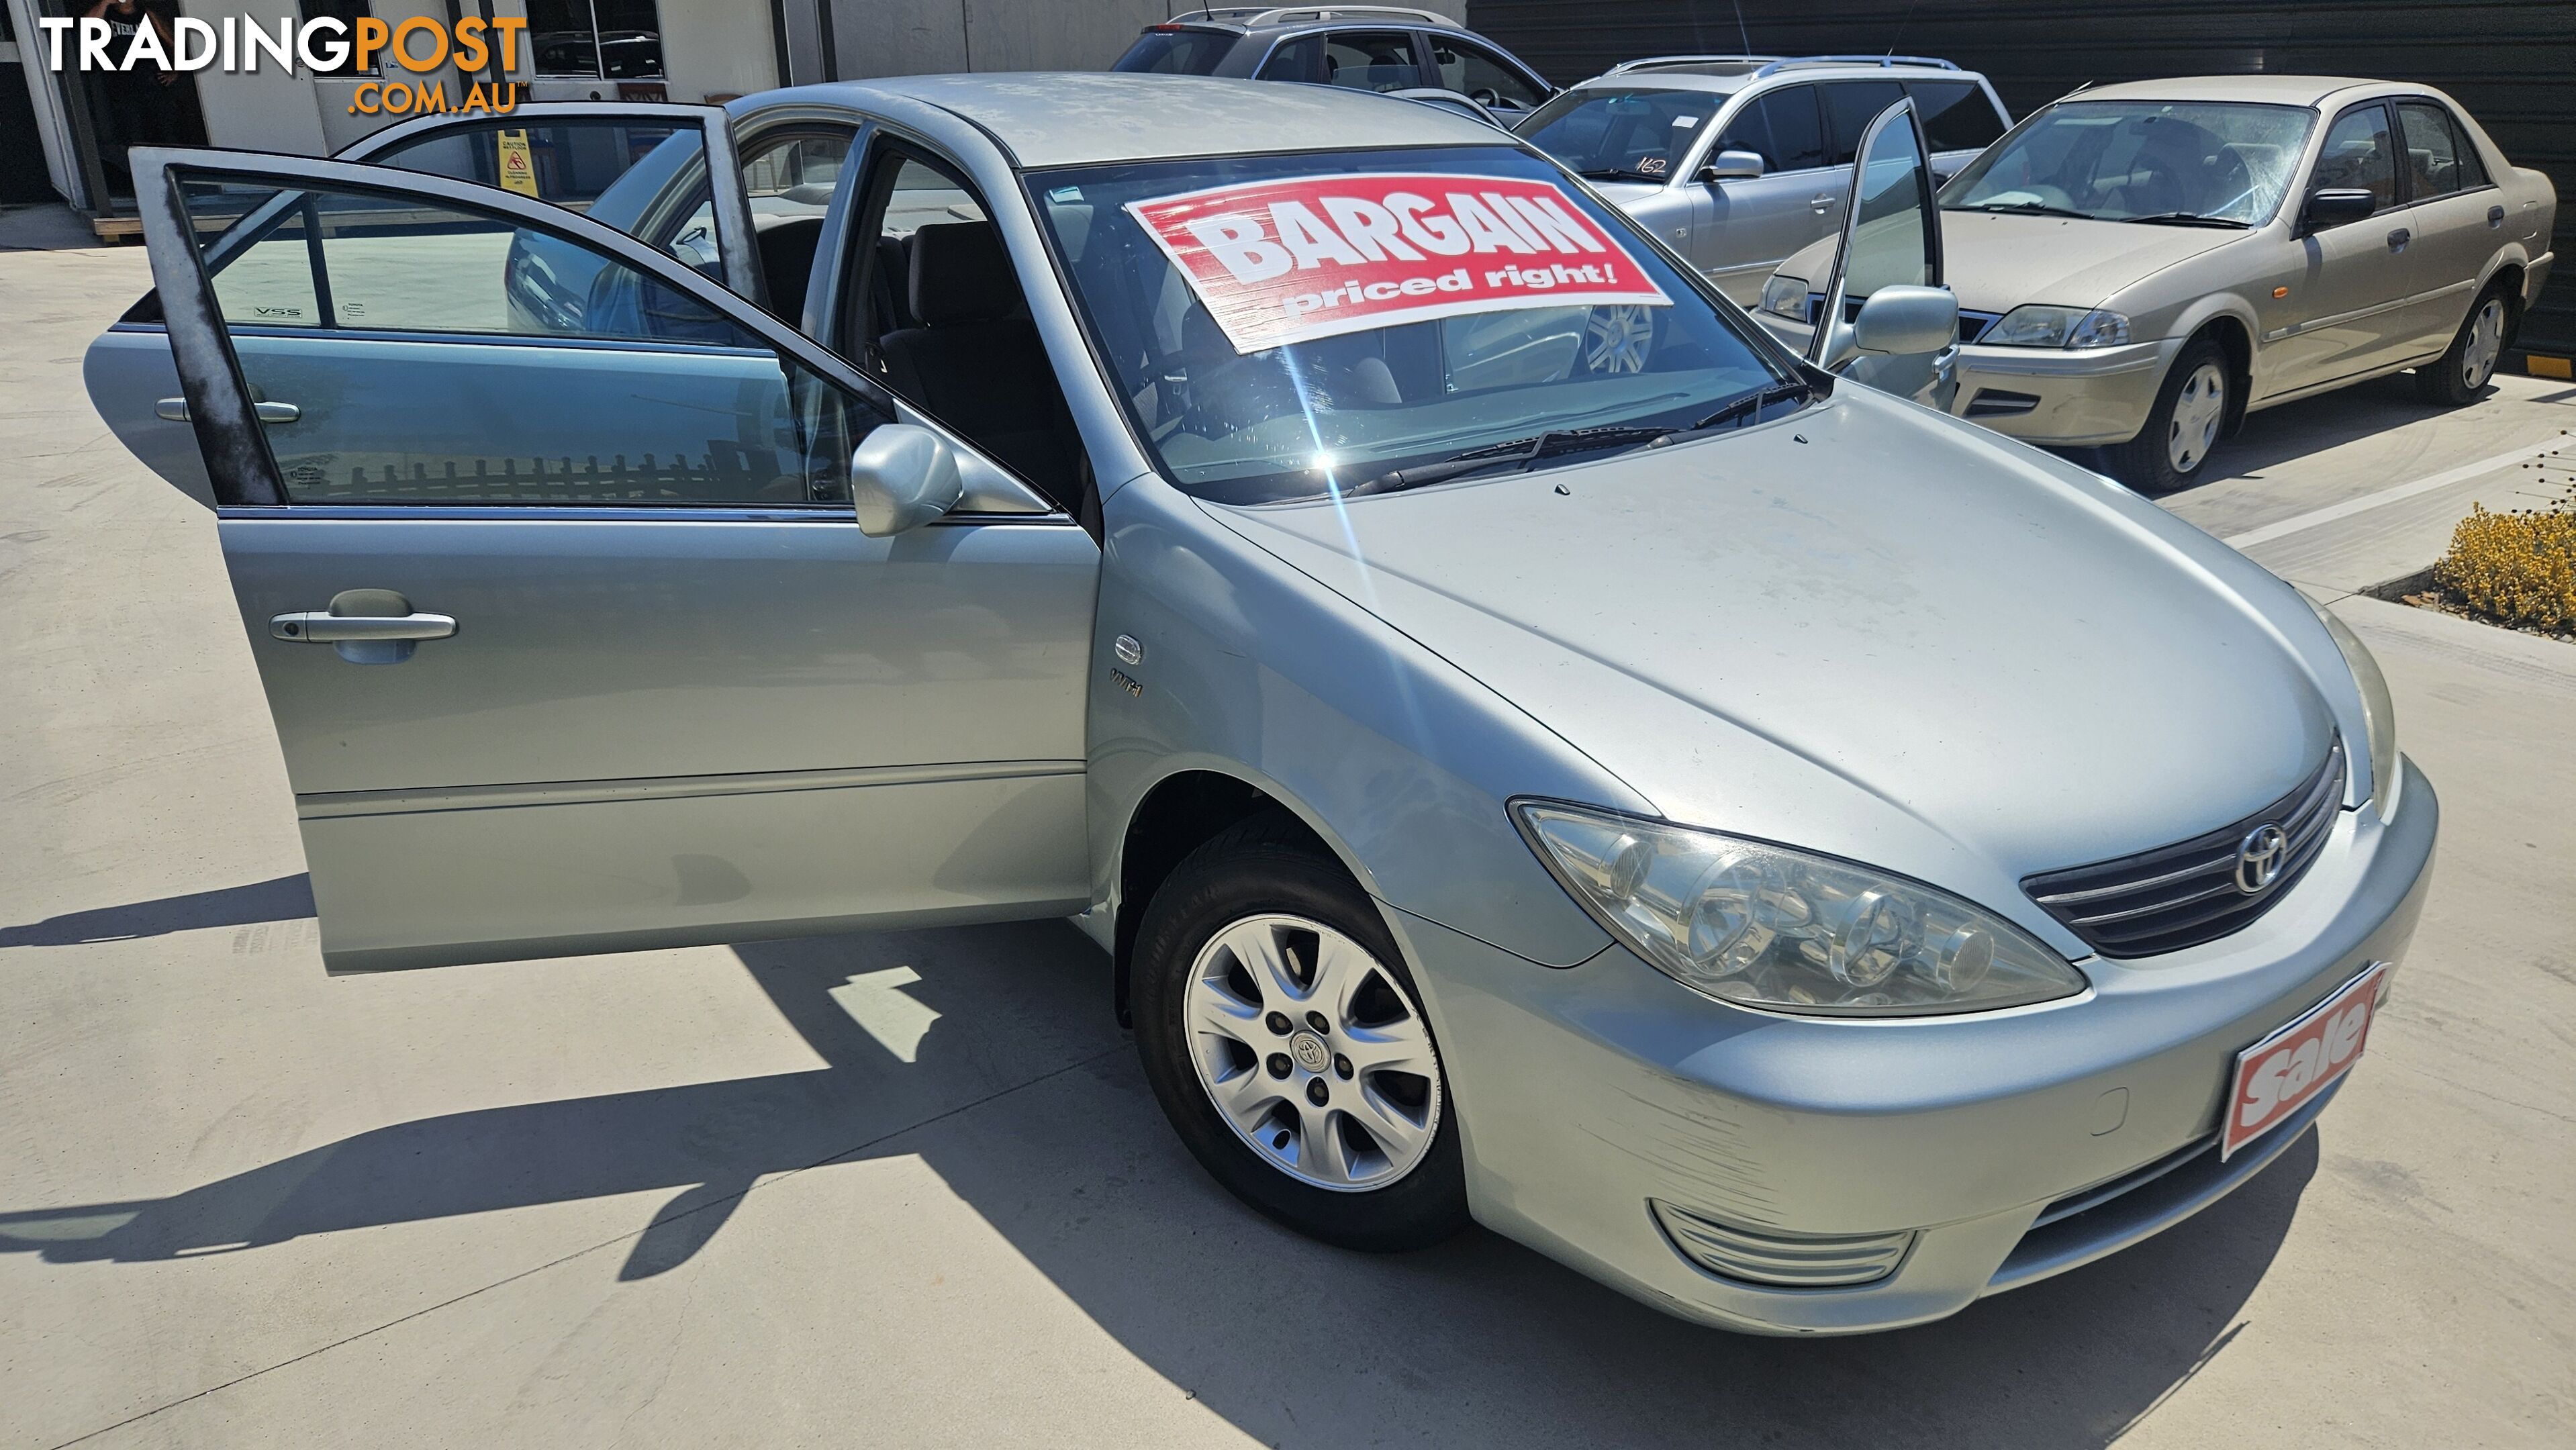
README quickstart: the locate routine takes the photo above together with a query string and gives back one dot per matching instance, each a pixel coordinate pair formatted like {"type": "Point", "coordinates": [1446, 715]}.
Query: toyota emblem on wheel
{"type": "Point", "coordinates": [2259, 859]}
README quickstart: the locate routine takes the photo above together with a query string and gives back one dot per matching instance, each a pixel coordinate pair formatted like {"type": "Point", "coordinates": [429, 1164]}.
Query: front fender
{"type": "Point", "coordinates": [1399, 760]}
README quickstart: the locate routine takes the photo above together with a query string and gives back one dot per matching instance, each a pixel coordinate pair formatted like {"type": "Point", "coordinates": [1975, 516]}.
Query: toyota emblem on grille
{"type": "Point", "coordinates": [2259, 859]}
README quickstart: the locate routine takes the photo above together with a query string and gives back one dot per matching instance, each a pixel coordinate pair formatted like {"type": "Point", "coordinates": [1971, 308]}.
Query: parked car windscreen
{"type": "Point", "coordinates": [1178, 51]}
{"type": "Point", "coordinates": [2124, 160]}
{"type": "Point", "coordinates": [1626, 133]}
{"type": "Point", "coordinates": [1498, 324]}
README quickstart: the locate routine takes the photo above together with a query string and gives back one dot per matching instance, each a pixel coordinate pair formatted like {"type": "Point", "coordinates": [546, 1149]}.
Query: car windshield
{"type": "Point", "coordinates": [1285, 326]}
{"type": "Point", "coordinates": [1178, 51]}
{"type": "Point", "coordinates": [2178, 161]}
{"type": "Point", "coordinates": [1627, 133]}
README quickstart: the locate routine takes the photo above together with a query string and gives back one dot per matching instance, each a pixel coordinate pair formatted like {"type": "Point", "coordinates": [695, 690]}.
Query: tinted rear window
{"type": "Point", "coordinates": [1956, 115]}
{"type": "Point", "coordinates": [1849, 108]}
{"type": "Point", "coordinates": [1177, 52]}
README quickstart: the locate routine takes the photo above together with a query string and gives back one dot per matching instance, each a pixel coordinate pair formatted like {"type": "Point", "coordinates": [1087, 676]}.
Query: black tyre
{"type": "Point", "coordinates": [1288, 1046]}
{"type": "Point", "coordinates": [2182, 429]}
{"type": "Point", "coordinates": [2460, 375]}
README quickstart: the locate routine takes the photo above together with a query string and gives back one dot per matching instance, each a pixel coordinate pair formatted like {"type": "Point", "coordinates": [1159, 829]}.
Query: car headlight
{"type": "Point", "coordinates": [2378, 710]}
{"type": "Point", "coordinates": [2041, 326]}
{"type": "Point", "coordinates": [1786, 296]}
{"type": "Point", "coordinates": [1769, 927]}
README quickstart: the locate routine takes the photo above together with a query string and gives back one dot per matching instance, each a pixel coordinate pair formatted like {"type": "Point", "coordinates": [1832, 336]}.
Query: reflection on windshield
{"type": "Point", "coordinates": [2130, 160]}
{"type": "Point", "coordinates": [1455, 365]}
{"type": "Point", "coordinates": [1636, 134]}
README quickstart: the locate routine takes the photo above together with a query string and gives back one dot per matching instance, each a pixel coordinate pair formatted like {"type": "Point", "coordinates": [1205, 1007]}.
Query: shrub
{"type": "Point", "coordinates": [2517, 568]}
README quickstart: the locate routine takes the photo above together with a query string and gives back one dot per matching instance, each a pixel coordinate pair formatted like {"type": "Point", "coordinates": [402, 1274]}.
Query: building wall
{"type": "Point", "coordinates": [2509, 63]}
{"type": "Point", "coordinates": [924, 37]}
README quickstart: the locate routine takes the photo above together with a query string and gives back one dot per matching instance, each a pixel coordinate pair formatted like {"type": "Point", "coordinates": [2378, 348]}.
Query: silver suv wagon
{"type": "Point", "coordinates": [1738, 161]}
{"type": "Point", "coordinates": [1383, 48]}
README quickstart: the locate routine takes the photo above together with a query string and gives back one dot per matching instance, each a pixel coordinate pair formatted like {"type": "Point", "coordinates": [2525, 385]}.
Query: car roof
{"type": "Point", "coordinates": [1727, 74]}
{"type": "Point", "coordinates": [2278, 90]}
{"type": "Point", "coordinates": [1072, 118]}
{"type": "Point", "coordinates": [1245, 19]}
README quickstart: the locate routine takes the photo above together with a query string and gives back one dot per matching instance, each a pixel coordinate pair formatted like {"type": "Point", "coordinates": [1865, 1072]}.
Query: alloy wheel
{"type": "Point", "coordinates": [2485, 345]}
{"type": "Point", "coordinates": [2198, 411]}
{"type": "Point", "coordinates": [1313, 1052]}
{"type": "Point", "coordinates": [1617, 339]}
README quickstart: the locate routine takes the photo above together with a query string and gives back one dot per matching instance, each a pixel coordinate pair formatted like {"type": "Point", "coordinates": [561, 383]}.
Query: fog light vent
{"type": "Point", "coordinates": [1783, 1260]}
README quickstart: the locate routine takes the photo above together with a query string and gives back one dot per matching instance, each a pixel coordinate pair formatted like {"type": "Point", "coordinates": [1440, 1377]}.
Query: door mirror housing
{"type": "Point", "coordinates": [901, 477]}
{"type": "Point", "coordinates": [1731, 166]}
{"type": "Point", "coordinates": [1904, 321]}
{"type": "Point", "coordinates": [2334, 206]}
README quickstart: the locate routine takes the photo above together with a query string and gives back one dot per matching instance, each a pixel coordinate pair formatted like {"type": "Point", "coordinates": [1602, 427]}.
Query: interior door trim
{"type": "Point", "coordinates": [328, 805]}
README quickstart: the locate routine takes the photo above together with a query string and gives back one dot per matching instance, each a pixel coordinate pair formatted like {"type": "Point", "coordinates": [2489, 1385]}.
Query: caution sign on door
{"type": "Point", "coordinates": [518, 168]}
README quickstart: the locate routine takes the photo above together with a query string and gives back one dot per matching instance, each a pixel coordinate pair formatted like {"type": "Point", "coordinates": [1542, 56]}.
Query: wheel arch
{"type": "Point", "coordinates": [2234, 332]}
{"type": "Point", "coordinates": [1180, 811]}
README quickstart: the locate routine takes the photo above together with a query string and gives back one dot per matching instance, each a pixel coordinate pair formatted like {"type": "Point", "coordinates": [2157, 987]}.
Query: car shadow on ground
{"type": "Point", "coordinates": [987, 1052]}
{"type": "Point", "coordinates": [2309, 426]}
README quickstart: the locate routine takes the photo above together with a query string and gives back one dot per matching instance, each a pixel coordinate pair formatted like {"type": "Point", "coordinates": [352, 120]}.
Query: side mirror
{"type": "Point", "coordinates": [901, 477]}
{"type": "Point", "coordinates": [1731, 166]}
{"type": "Point", "coordinates": [1903, 321]}
{"type": "Point", "coordinates": [2334, 206]}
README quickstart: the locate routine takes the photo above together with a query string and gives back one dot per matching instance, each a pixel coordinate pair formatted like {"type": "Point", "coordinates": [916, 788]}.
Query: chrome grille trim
{"type": "Point", "coordinates": [1781, 1260]}
{"type": "Point", "coordinates": [2185, 894]}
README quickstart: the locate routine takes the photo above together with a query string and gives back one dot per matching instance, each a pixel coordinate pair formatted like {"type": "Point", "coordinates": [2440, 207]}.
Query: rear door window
{"type": "Point", "coordinates": [1371, 60]}
{"type": "Point", "coordinates": [1956, 115]}
{"type": "Point", "coordinates": [1849, 108]}
{"type": "Point", "coordinates": [1781, 127]}
{"type": "Point", "coordinates": [1177, 51]}
{"type": "Point", "coordinates": [2438, 157]}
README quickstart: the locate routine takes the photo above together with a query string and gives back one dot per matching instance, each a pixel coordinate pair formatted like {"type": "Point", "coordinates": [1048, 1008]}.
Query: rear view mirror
{"type": "Point", "coordinates": [1902, 321]}
{"type": "Point", "coordinates": [1732, 166]}
{"type": "Point", "coordinates": [2334, 206]}
{"type": "Point", "coordinates": [901, 477]}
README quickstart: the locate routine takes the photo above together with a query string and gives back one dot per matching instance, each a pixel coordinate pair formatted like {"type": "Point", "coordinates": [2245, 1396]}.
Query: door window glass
{"type": "Point", "coordinates": [2358, 156]}
{"type": "Point", "coordinates": [1479, 76]}
{"type": "Point", "coordinates": [409, 378]}
{"type": "Point", "coordinates": [1891, 218]}
{"type": "Point", "coordinates": [1370, 60]}
{"type": "Point", "coordinates": [1176, 51]}
{"type": "Point", "coordinates": [2435, 152]}
{"type": "Point", "coordinates": [1781, 127]}
{"type": "Point", "coordinates": [791, 177]}
{"type": "Point", "coordinates": [1301, 59]}
{"type": "Point", "coordinates": [1956, 115]}
{"type": "Point", "coordinates": [1849, 108]}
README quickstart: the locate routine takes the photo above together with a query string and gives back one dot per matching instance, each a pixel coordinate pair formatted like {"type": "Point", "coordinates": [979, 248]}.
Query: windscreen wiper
{"type": "Point", "coordinates": [1521, 451]}
{"type": "Point", "coordinates": [2184, 219]}
{"type": "Point", "coordinates": [1615, 173]}
{"type": "Point", "coordinates": [1746, 407]}
{"type": "Point", "coordinates": [2028, 208]}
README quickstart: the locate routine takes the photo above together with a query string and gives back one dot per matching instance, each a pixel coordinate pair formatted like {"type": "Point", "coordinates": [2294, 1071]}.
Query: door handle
{"type": "Point", "coordinates": [175, 410]}
{"type": "Point", "coordinates": [316, 626]}
{"type": "Point", "coordinates": [2398, 239]}
{"type": "Point", "coordinates": [2495, 216]}
{"type": "Point", "coordinates": [1821, 202]}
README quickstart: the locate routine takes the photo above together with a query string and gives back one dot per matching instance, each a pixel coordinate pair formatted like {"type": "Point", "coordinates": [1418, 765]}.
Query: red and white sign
{"type": "Point", "coordinates": [2285, 1071]}
{"type": "Point", "coordinates": [1312, 256]}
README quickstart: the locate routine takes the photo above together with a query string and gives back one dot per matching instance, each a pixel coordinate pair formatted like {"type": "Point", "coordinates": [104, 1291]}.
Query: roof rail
{"type": "Point", "coordinates": [1878, 60]}
{"type": "Point", "coordinates": [1252, 15]}
{"type": "Point", "coordinates": [1661, 62]}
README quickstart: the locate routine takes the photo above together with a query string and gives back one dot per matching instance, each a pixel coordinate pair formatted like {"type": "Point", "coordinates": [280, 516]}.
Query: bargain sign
{"type": "Point", "coordinates": [1313, 256]}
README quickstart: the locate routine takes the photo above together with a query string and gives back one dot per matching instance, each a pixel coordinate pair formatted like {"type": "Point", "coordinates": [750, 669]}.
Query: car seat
{"type": "Point", "coordinates": [973, 359]}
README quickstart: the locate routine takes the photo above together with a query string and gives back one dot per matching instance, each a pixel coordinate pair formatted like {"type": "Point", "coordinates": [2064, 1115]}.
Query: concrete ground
{"type": "Point", "coordinates": [911, 1190]}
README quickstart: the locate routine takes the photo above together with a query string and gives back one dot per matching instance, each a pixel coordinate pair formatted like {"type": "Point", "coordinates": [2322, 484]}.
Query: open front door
{"type": "Point", "coordinates": [1890, 243]}
{"type": "Point", "coordinates": [545, 549]}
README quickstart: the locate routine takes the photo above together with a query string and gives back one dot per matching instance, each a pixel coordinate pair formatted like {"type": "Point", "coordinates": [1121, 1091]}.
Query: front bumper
{"type": "Point", "coordinates": [1587, 1095]}
{"type": "Point", "coordinates": [2077, 398]}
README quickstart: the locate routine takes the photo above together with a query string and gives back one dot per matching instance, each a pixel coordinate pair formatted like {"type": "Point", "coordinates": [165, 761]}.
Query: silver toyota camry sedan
{"type": "Point", "coordinates": [1802, 859]}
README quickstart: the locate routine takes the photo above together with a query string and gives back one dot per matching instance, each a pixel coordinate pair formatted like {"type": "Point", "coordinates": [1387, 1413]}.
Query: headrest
{"type": "Point", "coordinates": [961, 274]}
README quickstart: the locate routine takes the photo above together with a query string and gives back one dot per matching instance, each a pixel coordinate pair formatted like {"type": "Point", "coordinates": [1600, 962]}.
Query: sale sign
{"type": "Point", "coordinates": [1313, 256]}
{"type": "Point", "coordinates": [2285, 1071]}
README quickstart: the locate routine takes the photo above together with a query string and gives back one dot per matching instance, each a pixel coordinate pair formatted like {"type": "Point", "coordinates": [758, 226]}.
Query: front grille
{"type": "Point", "coordinates": [1783, 1261]}
{"type": "Point", "coordinates": [2182, 895]}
